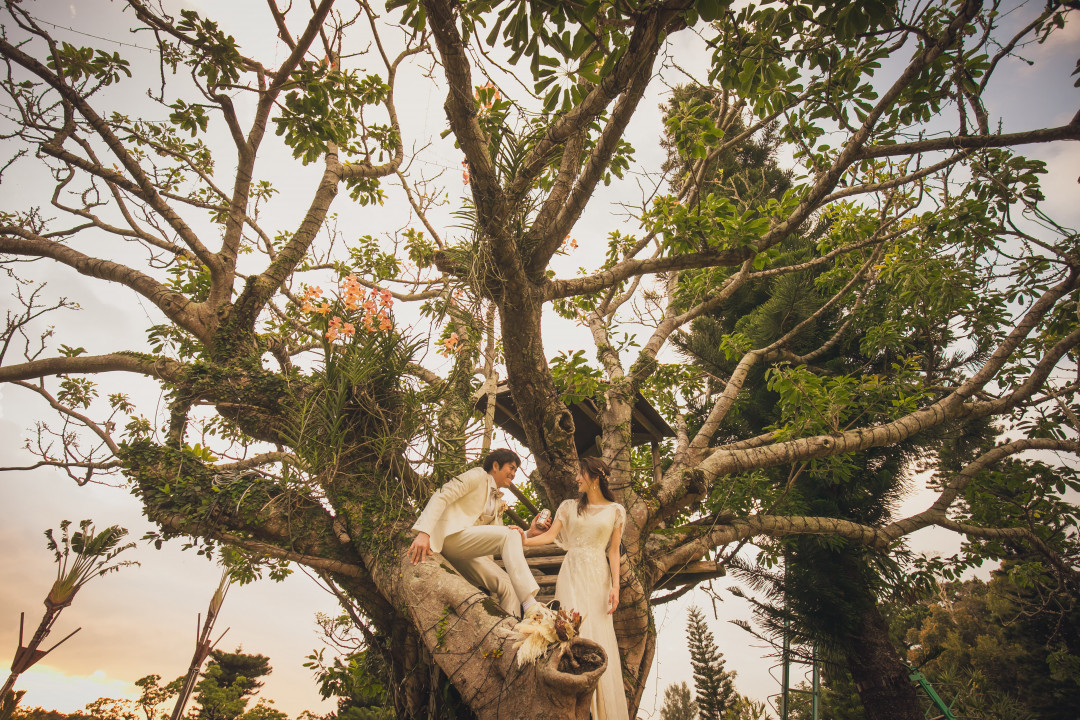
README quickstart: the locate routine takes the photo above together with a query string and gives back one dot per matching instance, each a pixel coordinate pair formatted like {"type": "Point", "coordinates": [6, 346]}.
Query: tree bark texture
{"type": "Point", "coordinates": [471, 639]}
{"type": "Point", "coordinates": [880, 675]}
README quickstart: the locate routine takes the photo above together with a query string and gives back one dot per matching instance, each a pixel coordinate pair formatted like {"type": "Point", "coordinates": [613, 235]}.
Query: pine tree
{"type": "Point", "coordinates": [678, 705]}
{"type": "Point", "coordinates": [714, 686]}
{"type": "Point", "coordinates": [228, 682]}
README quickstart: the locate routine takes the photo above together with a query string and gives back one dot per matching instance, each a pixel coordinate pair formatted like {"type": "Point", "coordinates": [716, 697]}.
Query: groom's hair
{"type": "Point", "coordinates": [501, 456]}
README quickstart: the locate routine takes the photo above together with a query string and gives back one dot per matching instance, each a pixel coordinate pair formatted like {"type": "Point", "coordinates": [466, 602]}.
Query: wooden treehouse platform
{"type": "Point", "coordinates": [546, 561]}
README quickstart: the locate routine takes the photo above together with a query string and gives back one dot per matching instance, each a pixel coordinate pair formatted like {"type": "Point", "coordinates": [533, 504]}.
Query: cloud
{"type": "Point", "coordinates": [1060, 184]}
{"type": "Point", "coordinates": [54, 689]}
{"type": "Point", "coordinates": [1064, 39]}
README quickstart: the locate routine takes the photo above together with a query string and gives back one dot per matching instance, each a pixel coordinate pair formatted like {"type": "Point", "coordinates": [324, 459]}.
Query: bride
{"type": "Point", "coordinates": [590, 530]}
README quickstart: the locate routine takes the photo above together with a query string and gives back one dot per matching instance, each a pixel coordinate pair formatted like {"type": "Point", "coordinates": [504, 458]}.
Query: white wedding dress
{"type": "Point", "coordinates": [583, 585]}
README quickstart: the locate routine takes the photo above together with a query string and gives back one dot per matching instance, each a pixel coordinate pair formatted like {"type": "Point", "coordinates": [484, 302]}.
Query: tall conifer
{"type": "Point", "coordinates": [712, 682]}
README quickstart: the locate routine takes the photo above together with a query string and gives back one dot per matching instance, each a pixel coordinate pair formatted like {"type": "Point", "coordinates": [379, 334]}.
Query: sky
{"type": "Point", "coordinates": [142, 620]}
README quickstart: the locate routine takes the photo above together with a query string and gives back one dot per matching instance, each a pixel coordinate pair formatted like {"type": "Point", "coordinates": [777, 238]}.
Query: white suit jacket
{"type": "Point", "coordinates": [455, 506]}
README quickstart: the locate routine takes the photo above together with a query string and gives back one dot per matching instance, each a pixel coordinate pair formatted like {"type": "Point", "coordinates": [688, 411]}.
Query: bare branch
{"type": "Point", "coordinates": [143, 185]}
{"type": "Point", "coordinates": [94, 427]}
{"type": "Point", "coordinates": [897, 181]}
{"type": "Point", "coordinates": [964, 142]}
{"type": "Point", "coordinates": [160, 368]}
{"type": "Point", "coordinates": [176, 306]}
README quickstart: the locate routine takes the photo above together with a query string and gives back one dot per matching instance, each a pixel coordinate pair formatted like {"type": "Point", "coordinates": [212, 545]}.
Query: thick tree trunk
{"type": "Point", "coordinates": [472, 640]}
{"type": "Point", "coordinates": [637, 640]}
{"type": "Point", "coordinates": [547, 422]}
{"type": "Point", "coordinates": [879, 672]}
{"type": "Point", "coordinates": [411, 686]}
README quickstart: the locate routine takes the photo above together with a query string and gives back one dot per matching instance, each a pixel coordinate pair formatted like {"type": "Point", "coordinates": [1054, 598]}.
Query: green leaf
{"type": "Point", "coordinates": [710, 10]}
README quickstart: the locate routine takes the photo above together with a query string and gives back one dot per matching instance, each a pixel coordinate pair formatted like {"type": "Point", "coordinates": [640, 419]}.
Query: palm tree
{"type": "Point", "coordinates": [80, 557]}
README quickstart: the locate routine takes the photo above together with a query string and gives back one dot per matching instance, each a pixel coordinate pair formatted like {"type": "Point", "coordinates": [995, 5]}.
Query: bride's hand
{"type": "Point", "coordinates": [613, 600]}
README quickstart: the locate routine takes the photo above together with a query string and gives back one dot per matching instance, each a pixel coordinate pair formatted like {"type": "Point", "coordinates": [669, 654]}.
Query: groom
{"type": "Point", "coordinates": [463, 521]}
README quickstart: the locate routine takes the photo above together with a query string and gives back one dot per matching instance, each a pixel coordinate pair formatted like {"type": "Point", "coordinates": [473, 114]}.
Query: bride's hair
{"type": "Point", "coordinates": [597, 469]}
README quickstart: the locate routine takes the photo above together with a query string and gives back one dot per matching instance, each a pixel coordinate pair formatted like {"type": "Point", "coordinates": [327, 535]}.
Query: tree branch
{"type": "Point", "coordinates": [896, 182]}
{"type": "Point", "coordinates": [145, 187]}
{"type": "Point", "coordinates": [964, 142]}
{"type": "Point", "coordinates": [936, 513]}
{"type": "Point", "coordinates": [259, 460]}
{"type": "Point", "coordinates": [570, 210]}
{"type": "Point", "coordinates": [160, 368]}
{"type": "Point", "coordinates": [312, 558]}
{"type": "Point", "coordinates": [953, 406]}
{"type": "Point", "coordinates": [603, 279]}
{"type": "Point", "coordinates": [59, 407]}
{"type": "Point", "coordinates": [641, 49]}
{"type": "Point", "coordinates": [177, 307]}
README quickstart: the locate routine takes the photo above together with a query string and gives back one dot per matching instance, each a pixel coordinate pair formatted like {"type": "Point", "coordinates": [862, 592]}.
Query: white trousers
{"type": "Point", "coordinates": [470, 551]}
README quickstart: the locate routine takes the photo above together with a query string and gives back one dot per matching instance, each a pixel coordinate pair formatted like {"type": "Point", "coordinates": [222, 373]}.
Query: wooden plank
{"type": "Point", "coordinates": [538, 564]}
{"type": "Point", "coordinates": [691, 572]}
{"type": "Point", "coordinates": [544, 550]}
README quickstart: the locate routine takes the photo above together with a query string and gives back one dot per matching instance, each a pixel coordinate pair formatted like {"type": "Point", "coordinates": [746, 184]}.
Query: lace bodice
{"type": "Point", "coordinates": [590, 530]}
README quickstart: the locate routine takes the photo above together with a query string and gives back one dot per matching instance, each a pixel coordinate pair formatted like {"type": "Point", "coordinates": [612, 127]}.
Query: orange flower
{"type": "Point", "coordinates": [348, 330]}
{"type": "Point", "coordinates": [385, 323]}
{"type": "Point", "coordinates": [386, 297]}
{"type": "Point", "coordinates": [307, 307]}
{"type": "Point", "coordinates": [324, 309]}
{"type": "Point", "coordinates": [494, 95]}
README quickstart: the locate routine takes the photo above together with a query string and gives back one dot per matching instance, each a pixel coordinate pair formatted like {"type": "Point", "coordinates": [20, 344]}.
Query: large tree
{"type": "Point", "coordinates": [304, 425]}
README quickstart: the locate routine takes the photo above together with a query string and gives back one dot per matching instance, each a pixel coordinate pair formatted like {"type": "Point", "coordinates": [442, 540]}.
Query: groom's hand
{"type": "Point", "coordinates": [420, 548]}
